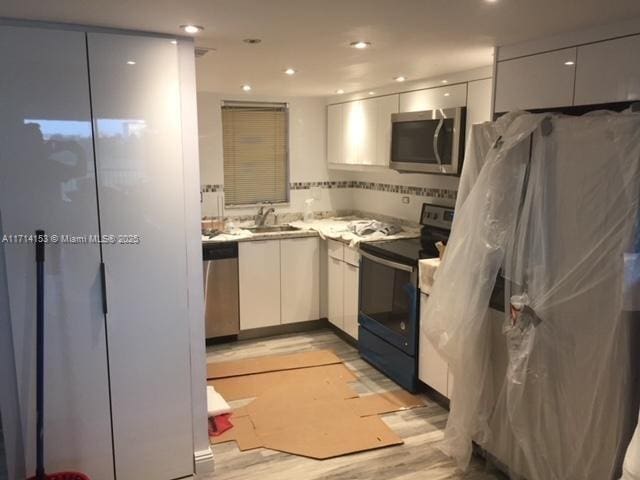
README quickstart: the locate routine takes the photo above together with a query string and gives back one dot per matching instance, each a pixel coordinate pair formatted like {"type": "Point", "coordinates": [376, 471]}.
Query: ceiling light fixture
{"type": "Point", "coordinates": [246, 88]}
{"type": "Point", "coordinates": [400, 78]}
{"type": "Point", "coordinates": [360, 44]}
{"type": "Point", "coordinates": [340, 91]}
{"type": "Point", "coordinates": [447, 94]}
{"type": "Point", "coordinates": [130, 62]}
{"type": "Point", "coordinates": [569, 62]}
{"type": "Point", "coordinates": [445, 81]}
{"type": "Point", "coordinates": [372, 93]}
{"type": "Point", "coordinates": [252, 41]}
{"type": "Point", "coordinates": [191, 29]}
{"type": "Point", "coordinates": [173, 42]}
{"type": "Point", "coordinates": [290, 71]}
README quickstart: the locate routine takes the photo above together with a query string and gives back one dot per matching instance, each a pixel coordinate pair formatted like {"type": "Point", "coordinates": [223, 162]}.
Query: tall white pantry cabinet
{"type": "Point", "coordinates": [91, 143]}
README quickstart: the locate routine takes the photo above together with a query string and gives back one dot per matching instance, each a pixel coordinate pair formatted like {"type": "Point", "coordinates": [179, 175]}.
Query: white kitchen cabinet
{"type": "Point", "coordinates": [367, 154]}
{"type": "Point", "coordinates": [138, 151]}
{"type": "Point", "coordinates": [433, 98]}
{"type": "Point", "coordinates": [608, 71]}
{"type": "Point", "coordinates": [334, 134]}
{"type": "Point", "coordinates": [335, 279]}
{"type": "Point", "coordinates": [353, 132]}
{"type": "Point", "coordinates": [351, 288]}
{"type": "Point", "coordinates": [478, 102]}
{"type": "Point", "coordinates": [300, 279]}
{"type": "Point", "coordinates": [386, 106]}
{"type": "Point", "coordinates": [45, 106]}
{"type": "Point", "coordinates": [536, 81]}
{"type": "Point", "coordinates": [432, 368]}
{"type": "Point", "coordinates": [259, 274]}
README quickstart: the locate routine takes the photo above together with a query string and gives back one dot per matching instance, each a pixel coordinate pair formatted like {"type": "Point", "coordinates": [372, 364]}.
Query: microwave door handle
{"type": "Point", "coordinates": [436, 138]}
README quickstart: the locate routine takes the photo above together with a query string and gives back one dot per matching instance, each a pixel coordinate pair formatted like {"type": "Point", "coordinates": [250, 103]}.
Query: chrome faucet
{"type": "Point", "coordinates": [261, 216]}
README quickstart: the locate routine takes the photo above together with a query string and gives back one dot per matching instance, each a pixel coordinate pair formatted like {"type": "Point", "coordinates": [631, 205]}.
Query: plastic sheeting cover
{"type": "Point", "coordinates": [558, 212]}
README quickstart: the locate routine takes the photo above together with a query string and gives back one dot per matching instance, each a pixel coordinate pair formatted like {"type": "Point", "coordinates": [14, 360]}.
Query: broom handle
{"type": "Point", "coordinates": [40, 355]}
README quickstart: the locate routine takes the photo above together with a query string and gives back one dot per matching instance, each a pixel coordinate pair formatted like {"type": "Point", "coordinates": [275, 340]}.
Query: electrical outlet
{"type": "Point", "coordinates": [405, 200]}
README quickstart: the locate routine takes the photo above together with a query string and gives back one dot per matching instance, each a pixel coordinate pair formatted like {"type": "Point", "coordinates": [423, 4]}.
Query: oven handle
{"type": "Point", "coordinates": [387, 263]}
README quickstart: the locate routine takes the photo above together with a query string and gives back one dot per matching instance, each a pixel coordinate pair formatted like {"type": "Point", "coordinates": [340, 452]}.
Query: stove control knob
{"type": "Point", "coordinates": [406, 344]}
{"type": "Point", "coordinates": [435, 216]}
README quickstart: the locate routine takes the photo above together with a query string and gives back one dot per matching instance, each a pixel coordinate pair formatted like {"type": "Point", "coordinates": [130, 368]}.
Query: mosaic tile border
{"type": "Point", "coordinates": [379, 187]}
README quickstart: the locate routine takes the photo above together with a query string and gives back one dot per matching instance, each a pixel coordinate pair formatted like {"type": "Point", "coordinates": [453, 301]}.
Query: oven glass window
{"type": "Point", "coordinates": [412, 142]}
{"type": "Point", "coordinates": [388, 296]}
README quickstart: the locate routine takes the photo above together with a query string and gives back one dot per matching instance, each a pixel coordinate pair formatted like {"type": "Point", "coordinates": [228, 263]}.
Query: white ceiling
{"type": "Point", "coordinates": [415, 38]}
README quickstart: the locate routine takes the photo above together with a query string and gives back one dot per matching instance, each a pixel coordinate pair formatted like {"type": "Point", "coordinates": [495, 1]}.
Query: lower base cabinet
{"type": "Point", "coordinates": [279, 281]}
{"type": "Point", "coordinates": [259, 277]}
{"type": "Point", "coordinates": [432, 368]}
{"type": "Point", "coordinates": [343, 276]}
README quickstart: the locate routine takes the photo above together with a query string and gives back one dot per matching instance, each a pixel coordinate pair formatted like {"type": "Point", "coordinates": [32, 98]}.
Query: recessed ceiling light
{"type": "Point", "coordinates": [447, 94]}
{"type": "Point", "coordinates": [340, 91]}
{"type": "Point", "coordinates": [192, 29]}
{"type": "Point", "coordinates": [290, 71]}
{"type": "Point", "coordinates": [400, 78]}
{"type": "Point", "coordinates": [445, 81]}
{"type": "Point", "coordinates": [491, 1]}
{"type": "Point", "coordinates": [173, 42]}
{"type": "Point", "coordinates": [372, 93]}
{"type": "Point", "coordinates": [360, 44]}
{"type": "Point", "coordinates": [131, 62]}
{"type": "Point", "coordinates": [246, 88]}
{"type": "Point", "coordinates": [569, 62]}
{"type": "Point", "coordinates": [252, 41]}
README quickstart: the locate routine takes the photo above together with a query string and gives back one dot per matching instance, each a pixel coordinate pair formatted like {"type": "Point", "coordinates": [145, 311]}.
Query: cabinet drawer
{"type": "Point", "coordinates": [351, 256]}
{"type": "Point", "coordinates": [336, 249]}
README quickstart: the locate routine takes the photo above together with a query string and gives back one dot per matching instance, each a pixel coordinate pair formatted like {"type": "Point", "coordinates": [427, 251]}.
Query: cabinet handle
{"type": "Point", "coordinates": [103, 279]}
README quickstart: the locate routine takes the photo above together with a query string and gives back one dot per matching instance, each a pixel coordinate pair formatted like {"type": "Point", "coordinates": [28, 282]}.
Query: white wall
{"type": "Point", "coordinates": [307, 158]}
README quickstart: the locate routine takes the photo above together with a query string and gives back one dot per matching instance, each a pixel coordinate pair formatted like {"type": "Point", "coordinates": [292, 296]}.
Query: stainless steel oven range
{"type": "Point", "coordinates": [389, 302]}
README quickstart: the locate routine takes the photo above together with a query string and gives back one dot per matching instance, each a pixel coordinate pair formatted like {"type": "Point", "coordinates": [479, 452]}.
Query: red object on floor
{"type": "Point", "coordinates": [219, 424]}
{"type": "Point", "coordinates": [64, 476]}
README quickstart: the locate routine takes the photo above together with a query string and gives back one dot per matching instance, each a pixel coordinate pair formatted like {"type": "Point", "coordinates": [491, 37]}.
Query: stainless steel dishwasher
{"type": "Point", "coordinates": [221, 290]}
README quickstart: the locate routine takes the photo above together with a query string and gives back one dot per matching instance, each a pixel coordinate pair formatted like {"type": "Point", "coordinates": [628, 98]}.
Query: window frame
{"type": "Point", "coordinates": [287, 186]}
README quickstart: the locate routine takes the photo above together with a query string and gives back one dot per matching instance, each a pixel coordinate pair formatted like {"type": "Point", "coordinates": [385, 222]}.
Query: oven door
{"type": "Point", "coordinates": [389, 299]}
{"type": "Point", "coordinates": [428, 142]}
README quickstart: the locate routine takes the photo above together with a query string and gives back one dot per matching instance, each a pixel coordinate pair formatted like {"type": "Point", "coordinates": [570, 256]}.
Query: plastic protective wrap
{"type": "Point", "coordinates": [555, 204]}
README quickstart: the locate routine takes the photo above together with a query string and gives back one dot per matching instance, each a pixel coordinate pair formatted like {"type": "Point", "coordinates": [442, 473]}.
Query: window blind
{"type": "Point", "coordinates": [255, 153]}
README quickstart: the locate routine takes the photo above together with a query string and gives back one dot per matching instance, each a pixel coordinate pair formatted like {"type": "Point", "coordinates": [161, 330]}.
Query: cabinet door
{"type": "Point", "coordinates": [432, 368]}
{"type": "Point", "coordinates": [368, 146]}
{"type": "Point", "coordinates": [47, 182]}
{"type": "Point", "coordinates": [608, 71]}
{"type": "Point", "coordinates": [386, 106]}
{"type": "Point", "coordinates": [136, 110]}
{"type": "Point", "coordinates": [478, 102]}
{"type": "Point", "coordinates": [336, 292]}
{"type": "Point", "coordinates": [432, 98]}
{"type": "Point", "coordinates": [537, 81]}
{"type": "Point", "coordinates": [353, 132]}
{"type": "Point", "coordinates": [259, 271]}
{"type": "Point", "coordinates": [300, 285]}
{"type": "Point", "coordinates": [351, 283]}
{"type": "Point", "coordinates": [334, 134]}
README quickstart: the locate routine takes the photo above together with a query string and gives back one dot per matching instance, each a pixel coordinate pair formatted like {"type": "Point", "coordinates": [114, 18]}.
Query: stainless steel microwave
{"type": "Point", "coordinates": [431, 141]}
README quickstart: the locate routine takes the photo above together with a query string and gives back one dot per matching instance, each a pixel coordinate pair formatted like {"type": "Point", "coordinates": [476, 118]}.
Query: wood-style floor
{"type": "Point", "coordinates": [421, 429]}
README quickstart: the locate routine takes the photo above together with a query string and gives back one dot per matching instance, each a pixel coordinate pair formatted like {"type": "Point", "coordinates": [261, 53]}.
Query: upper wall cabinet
{"type": "Point", "coordinates": [359, 132]}
{"type": "Point", "coordinates": [432, 98]}
{"type": "Point", "coordinates": [538, 81]}
{"type": "Point", "coordinates": [608, 72]}
{"type": "Point", "coordinates": [334, 134]}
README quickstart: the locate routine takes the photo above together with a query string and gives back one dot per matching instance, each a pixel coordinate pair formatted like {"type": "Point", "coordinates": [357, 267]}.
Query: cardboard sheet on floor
{"type": "Point", "coordinates": [271, 363]}
{"type": "Point", "coordinates": [386, 402]}
{"type": "Point", "coordinates": [249, 386]}
{"type": "Point", "coordinates": [309, 411]}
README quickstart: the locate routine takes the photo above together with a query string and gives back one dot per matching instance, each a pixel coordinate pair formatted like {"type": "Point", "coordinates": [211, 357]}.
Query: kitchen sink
{"type": "Point", "coordinates": [272, 229]}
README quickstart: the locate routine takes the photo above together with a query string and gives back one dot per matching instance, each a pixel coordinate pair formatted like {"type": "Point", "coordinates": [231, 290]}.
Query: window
{"type": "Point", "coordinates": [255, 148]}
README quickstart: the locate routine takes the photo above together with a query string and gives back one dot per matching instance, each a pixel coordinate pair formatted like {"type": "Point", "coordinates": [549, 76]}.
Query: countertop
{"type": "Point", "coordinates": [333, 228]}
